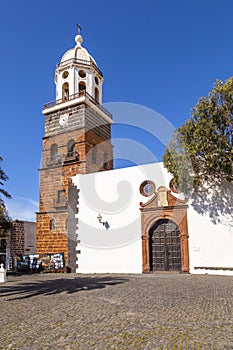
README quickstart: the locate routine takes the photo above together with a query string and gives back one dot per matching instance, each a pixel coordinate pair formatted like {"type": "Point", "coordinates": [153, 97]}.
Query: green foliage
{"type": "Point", "coordinates": [200, 153]}
{"type": "Point", "coordinates": [3, 177]}
{"type": "Point", "coordinates": [5, 220]}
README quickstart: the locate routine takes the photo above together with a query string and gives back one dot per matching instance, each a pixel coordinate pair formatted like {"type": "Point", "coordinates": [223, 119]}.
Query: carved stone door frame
{"type": "Point", "coordinates": [165, 247]}
{"type": "Point", "coordinates": [174, 210]}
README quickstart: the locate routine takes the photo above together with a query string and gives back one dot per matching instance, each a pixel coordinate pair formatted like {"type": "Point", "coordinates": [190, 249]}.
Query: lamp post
{"type": "Point", "coordinates": [105, 223]}
{"type": "Point", "coordinates": [99, 217]}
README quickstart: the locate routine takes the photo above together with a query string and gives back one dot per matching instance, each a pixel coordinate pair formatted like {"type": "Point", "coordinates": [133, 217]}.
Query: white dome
{"type": "Point", "coordinates": [78, 52]}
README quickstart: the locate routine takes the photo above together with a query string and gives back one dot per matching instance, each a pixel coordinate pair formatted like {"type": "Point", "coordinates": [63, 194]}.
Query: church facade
{"type": "Point", "coordinates": [127, 220]}
{"type": "Point", "coordinates": [150, 227]}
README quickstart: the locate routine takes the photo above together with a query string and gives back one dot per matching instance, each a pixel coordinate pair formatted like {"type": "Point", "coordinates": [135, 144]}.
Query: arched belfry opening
{"type": "Point", "coordinates": [82, 87]}
{"type": "Point", "coordinates": [65, 92]}
{"type": "Point", "coordinates": [164, 230]}
{"type": "Point", "coordinates": [97, 94]}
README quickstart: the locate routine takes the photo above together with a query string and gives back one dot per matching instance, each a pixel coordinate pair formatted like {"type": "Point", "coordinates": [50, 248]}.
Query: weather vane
{"type": "Point", "coordinates": [79, 28]}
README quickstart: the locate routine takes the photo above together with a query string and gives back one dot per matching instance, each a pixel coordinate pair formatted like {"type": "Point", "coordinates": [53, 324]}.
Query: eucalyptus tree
{"type": "Point", "coordinates": [200, 153]}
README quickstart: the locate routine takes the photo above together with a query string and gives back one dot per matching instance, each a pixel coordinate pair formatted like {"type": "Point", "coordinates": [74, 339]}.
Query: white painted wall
{"type": "Point", "coordinates": [74, 79]}
{"type": "Point", "coordinates": [115, 195]}
{"type": "Point", "coordinates": [209, 245]}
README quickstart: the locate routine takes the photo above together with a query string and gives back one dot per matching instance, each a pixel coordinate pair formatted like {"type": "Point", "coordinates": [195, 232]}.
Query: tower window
{"type": "Point", "coordinates": [61, 198]}
{"type": "Point", "coordinates": [82, 74]}
{"type": "Point", "coordinates": [65, 92]}
{"type": "Point", "coordinates": [52, 225]}
{"type": "Point", "coordinates": [97, 95]}
{"type": "Point", "coordinates": [94, 155]}
{"type": "Point", "coordinates": [65, 74]}
{"type": "Point", "coordinates": [54, 152]}
{"type": "Point", "coordinates": [71, 152]}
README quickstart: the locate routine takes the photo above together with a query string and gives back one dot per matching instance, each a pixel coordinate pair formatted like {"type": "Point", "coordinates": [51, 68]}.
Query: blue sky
{"type": "Point", "coordinates": [161, 54]}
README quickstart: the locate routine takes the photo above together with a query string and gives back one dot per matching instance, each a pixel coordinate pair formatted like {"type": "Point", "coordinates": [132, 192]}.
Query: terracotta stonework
{"type": "Point", "coordinates": [176, 211]}
{"type": "Point", "coordinates": [56, 174]}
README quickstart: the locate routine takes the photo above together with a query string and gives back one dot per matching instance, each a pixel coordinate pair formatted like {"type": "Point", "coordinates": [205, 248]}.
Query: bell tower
{"type": "Point", "coordinates": [77, 140]}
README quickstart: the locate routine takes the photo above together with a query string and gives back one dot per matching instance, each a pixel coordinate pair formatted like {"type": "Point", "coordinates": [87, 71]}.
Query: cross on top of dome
{"type": "Point", "coordinates": [79, 28]}
{"type": "Point", "coordinates": [78, 38]}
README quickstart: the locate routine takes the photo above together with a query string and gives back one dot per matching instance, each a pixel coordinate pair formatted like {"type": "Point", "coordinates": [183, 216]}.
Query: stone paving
{"type": "Point", "coordinates": [150, 311]}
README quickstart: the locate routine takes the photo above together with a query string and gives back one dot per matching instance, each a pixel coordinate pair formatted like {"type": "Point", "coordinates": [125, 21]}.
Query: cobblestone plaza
{"type": "Point", "coordinates": [149, 311]}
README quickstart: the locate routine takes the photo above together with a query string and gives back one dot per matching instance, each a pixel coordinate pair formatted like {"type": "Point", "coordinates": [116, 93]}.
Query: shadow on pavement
{"type": "Point", "coordinates": [28, 289]}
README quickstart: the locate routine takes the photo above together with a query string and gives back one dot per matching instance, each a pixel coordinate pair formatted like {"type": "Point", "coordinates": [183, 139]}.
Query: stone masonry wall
{"type": "Point", "coordinates": [17, 239]}
{"type": "Point", "coordinates": [75, 120]}
{"type": "Point", "coordinates": [89, 131]}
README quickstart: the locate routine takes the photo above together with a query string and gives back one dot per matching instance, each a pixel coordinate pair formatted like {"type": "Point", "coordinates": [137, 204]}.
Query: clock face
{"type": "Point", "coordinates": [63, 121]}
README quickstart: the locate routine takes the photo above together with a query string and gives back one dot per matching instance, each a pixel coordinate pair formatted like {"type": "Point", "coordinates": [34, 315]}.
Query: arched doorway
{"type": "Point", "coordinates": [164, 246]}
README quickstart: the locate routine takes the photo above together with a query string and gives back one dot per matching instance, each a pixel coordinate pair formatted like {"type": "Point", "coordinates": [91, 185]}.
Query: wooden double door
{"type": "Point", "coordinates": [165, 248]}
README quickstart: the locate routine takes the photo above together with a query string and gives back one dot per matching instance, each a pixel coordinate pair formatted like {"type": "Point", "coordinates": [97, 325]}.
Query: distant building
{"type": "Point", "coordinates": [20, 241]}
